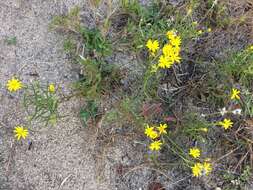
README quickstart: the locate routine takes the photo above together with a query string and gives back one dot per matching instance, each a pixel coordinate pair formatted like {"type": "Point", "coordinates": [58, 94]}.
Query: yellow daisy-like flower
{"type": "Point", "coordinates": [175, 41]}
{"type": "Point", "coordinates": [164, 62]}
{"type": "Point", "coordinates": [235, 94]}
{"type": "Point", "coordinates": [162, 128]}
{"type": "Point", "coordinates": [201, 169]}
{"type": "Point", "coordinates": [150, 132]}
{"type": "Point", "coordinates": [197, 169]}
{"type": "Point", "coordinates": [226, 124]}
{"type": "Point", "coordinates": [168, 50]}
{"type": "Point", "coordinates": [194, 152]}
{"type": "Point", "coordinates": [175, 58]}
{"type": "Point", "coordinates": [154, 135]}
{"type": "Point", "coordinates": [51, 88]}
{"type": "Point", "coordinates": [171, 34]}
{"type": "Point", "coordinates": [14, 85]}
{"type": "Point", "coordinates": [209, 30]}
{"type": "Point", "coordinates": [156, 145]}
{"type": "Point", "coordinates": [207, 168]}
{"type": "Point", "coordinates": [153, 46]}
{"type": "Point", "coordinates": [20, 132]}
{"type": "Point", "coordinates": [251, 47]}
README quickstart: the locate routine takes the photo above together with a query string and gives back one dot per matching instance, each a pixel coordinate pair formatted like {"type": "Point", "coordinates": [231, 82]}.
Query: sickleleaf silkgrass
{"type": "Point", "coordinates": [41, 103]}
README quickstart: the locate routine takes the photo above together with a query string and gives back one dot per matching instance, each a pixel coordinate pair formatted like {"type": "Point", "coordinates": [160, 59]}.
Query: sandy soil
{"type": "Point", "coordinates": [60, 156]}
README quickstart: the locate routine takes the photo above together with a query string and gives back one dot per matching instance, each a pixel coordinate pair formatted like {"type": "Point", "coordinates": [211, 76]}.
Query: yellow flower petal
{"type": "Point", "coordinates": [20, 131]}
{"type": "Point", "coordinates": [235, 94]}
{"type": "Point", "coordinates": [194, 152]}
{"type": "Point", "coordinates": [14, 85]}
{"type": "Point", "coordinates": [156, 145]}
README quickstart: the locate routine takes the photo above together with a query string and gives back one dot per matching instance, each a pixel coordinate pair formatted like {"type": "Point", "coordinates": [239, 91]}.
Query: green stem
{"type": "Point", "coordinates": [181, 154]}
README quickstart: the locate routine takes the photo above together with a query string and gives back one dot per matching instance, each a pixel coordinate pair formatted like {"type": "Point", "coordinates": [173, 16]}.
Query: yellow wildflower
{"type": "Point", "coordinates": [164, 62]}
{"type": "Point", "coordinates": [150, 132]}
{"type": "Point", "coordinates": [175, 58]}
{"type": "Point", "coordinates": [153, 46]}
{"type": "Point", "coordinates": [51, 88]}
{"type": "Point", "coordinates": [197, 169]}
{"type": "Point", "coordinates": [250, 47]}
{"type": "Point", "coordinates": [201, 169]}
{"type": "Point", "coordinates": [162, 128]}
{"type": "Point", "coordinates": [207, 168]}
{"type": "Point", "coordinates": [235, 94]}
{"type": "Point", "coordinates": [154, 135]}
{"type": "Point", "coordinates": [209, 30]}
{"type": "Point", "coordinates": [175, 41]}
{"type": "Point", "coordinates": [171, 34]}
{"type": "Point", "coordinates": [226, 123]}
{"type": "Point", "coordinates": [194, 152]}
{"type": "Point", "coordinates": [20, 131]}
{"type": "Point", "coordinates": [156, 145]}
{"type": "Point", "coordinates": [14, 85]}
{"type": "Point", "coordinates": [168, 50]}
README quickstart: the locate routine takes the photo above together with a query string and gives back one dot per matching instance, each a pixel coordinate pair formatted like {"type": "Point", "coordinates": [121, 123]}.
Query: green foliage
{"type": "Point", "coordinates": [112, 116]}
{"type": "Point", "coordinates": [69, 46]}
{"type": "Point", "coordinates": [248, 104]}
{"type": "Point", "coordinates": [194, 127]}
{"type": "Point", "coordinates": [71, 21]}
{"type": "Point", "coordinates": [238, 66]}
{"type": "Point", "coordinates": [126, 111]}
{"type": "Point", "coordinates": [98, 78]}
{"type": "Point", "coordinates": [238, 181]}
{"type": "Point", "coordinates": [95, 2]}
{"type": "Point", "coordinates": [153, 21]}
{"type": "Point", "coordinates": [246, 174]}
{"type": "Point", "coordinates": [150, 85]}
{"type": "Point", "coordinates": [207, 84]}
{"type": "Point", "coordinates": [210, 12]}
{"type": "Point", "coordinates": [11, 40]}
{"type": "Point", "coordinates": [40, 104]}
{"type": "Point", "coordinates": [89, 112]}
{"type": "Point", "coordinates": [92, 39]}
{"type": "Point", "coordinates": [143, 23]}
{"type": "Point", "coordinates": [94, 42]}
{"type": "Point", "coordinates": [210, 89]}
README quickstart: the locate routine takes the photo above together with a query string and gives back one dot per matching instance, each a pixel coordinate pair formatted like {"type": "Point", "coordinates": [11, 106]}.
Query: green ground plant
{"type": "Point", "coordinates": [233, 181]}
{"type": "Point", "coordinates": [97, 76]}
{"type": "Point", "coordinates": [89, 113]}
{"type": "Point", "coordinates": [216, 90]}
{"type": "Point", "coordinates": [238, 66]}
{"type": "Point", "coordinates": [69, 22]}
{"type": "Point", "coordinates": [98, 79]}
{"type": "Point", "coordinates": [175, 79]}
{"type": "Point", "coordinates": [11, 40]}
{"type": "Point", "coordinates": [41, 104]}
